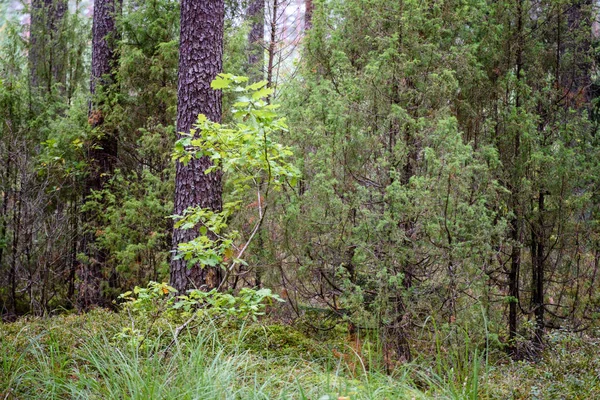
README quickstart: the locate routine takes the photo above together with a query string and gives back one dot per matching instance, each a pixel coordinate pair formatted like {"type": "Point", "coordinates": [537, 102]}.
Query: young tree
{"type": "Point", "coordinates": [200, 60]}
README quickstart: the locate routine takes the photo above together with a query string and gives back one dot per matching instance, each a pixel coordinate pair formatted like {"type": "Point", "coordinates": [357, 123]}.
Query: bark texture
{"type": "Point", "coordinates": [200, 60]}
{"type": "Point", "coordinates": [104, 59]}
{"type": "Point", "coordinates": [577, 79]}
{"type": "Point", "coordinates": [104, 37]}
{"type": "Point", "coordinates": [256, 39]}
{"type": "Point", "coordinates": [102, 155]}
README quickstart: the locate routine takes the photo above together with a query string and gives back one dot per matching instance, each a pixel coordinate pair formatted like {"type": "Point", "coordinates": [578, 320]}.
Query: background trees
{"type": "Point", "coordinates": [448, 155]}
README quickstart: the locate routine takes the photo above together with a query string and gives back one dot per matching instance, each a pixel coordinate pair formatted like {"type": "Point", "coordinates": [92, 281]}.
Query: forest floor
{"type": "Point", "coordinates": [106, 355]}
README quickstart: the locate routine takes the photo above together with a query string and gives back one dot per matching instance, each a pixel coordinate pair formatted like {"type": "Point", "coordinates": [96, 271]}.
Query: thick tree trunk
{"type": "Point", "coordinates": [200, 60]}
{"type": "Point", "coordinates": [576, 79]}
{"type": "Point", "coordinates": [104, 38]}
{"type": "Point", "coordinates": [103, 153]}
{"type": "Point", "coordinates": [46, 55]}
{"type": "Point", "coordinates": [256, 40]}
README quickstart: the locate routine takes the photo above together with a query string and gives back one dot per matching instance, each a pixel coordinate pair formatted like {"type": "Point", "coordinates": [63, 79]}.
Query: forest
{"type": "Point", "coordinates": [299, 199]}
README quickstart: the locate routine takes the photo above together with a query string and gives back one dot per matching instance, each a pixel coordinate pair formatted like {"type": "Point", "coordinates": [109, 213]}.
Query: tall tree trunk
{"type": "Point", "coordinates": [46, 55]}
{"type": "Point", "coordinates": [272, 43]}
{"type": "Point", "coordinates": [256, 40]}
{"type": "Point", "coordinates": [200, 60]}
{"type": "Point", "coordinates": [308, 13]}
{"type": "Point", "coordinates": [515, 224]}
{"type": "Point", "coordinates": [103, 153]}
{"type": "Point", "coordinates": [538, 272]}
{"type": "Point", "coordinates": [577, 77]}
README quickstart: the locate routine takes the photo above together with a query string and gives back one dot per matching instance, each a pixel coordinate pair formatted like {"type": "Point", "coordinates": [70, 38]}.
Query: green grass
{"type": "Point", "coordinates": [77, 357]}
{"type": "Point", "coordinates": [82, 357]}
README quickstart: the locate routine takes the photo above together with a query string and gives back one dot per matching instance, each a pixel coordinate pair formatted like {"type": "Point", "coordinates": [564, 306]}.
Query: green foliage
{"type": "Point", "coordinates": [248, 303]}
{"type": "Point", "coordinates": [74, 356]}
{"type": "Point", "coordinates": [397, 214]}
{"type": "Point", "coordinates": [251, 160]}
{"type": "Point", "coordinates": [133, 228]}
{"type": "Point", "coordinates": [278, 341]}
{"type": "Point", "coordinates": [158, 298]}
{"type": "Point", "coordinates": [41, 133]}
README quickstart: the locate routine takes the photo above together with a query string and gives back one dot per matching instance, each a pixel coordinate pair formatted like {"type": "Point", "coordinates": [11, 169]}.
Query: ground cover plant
{"type": "Point", "coordinates": [95, 356]}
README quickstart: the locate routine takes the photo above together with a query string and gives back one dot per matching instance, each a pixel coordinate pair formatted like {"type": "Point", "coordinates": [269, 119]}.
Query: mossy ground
{"type": "Point", "coordinates": [88, 356]}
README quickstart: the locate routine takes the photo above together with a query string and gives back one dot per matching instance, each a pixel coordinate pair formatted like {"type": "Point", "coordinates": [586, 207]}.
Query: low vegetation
{"type": "Point", "coordinates": [135, 354]}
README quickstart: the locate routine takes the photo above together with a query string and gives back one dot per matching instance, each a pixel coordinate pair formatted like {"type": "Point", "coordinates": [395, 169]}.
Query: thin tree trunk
{"type": "Point", "coordinates": [200, 60]}
{"type": "Point", "coordinates": [577, 78]}
{"type": "Point", "coordinates": [12, 305]}
{"type": "Point", "coordinates": [515, 231]}
{"type": "Point", "coordinates": [272, 42]}
{"type": "Point", "coordinates": [538, 274]}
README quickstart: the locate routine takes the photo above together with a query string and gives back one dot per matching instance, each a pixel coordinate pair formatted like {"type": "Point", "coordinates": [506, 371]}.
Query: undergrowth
{"type": "Point", "coordinates": [87, 357]}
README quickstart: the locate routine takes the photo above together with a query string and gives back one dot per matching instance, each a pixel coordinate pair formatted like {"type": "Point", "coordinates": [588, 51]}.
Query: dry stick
{"type": "Point", "coordinates": [177, 332]}
{"type": "Point", "coordinates": [261, 214]}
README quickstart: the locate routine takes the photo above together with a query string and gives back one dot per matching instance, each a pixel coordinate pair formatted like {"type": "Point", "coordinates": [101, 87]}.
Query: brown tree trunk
{"type": "Point", "coordinates": [308, 13]}
{"type": "Point", "coordinates": [577, 79]}
{"type": "Point", "coordinates": [103, 153]}
{"type": "Point", "coordinates": [515, 224]}
{"type": "Point", "coordinates": [538, 273]}
{"type": "Point", "coordinates": [272, 43]}
{"type": "Point", "coordinates": [256, 40]}
{"type": "Point", "coordinates": [46, 55]}
{"type": "Point", "coordinates": [104, 59]}
{"type": "Point", "coordinates": [200, 60]}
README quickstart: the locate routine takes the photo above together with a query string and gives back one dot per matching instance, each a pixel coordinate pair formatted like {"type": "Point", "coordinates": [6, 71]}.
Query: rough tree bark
{"type": "Point", "coordinates": [256, 39]}
{"type": "Point", "coordinates": [200, 60]}
{"type": "Point", "coordinates": [103, 153]}
{"type": "Point", "coordinates": [577, 78]}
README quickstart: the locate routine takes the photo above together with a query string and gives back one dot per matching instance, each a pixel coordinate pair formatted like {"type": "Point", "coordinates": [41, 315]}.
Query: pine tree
{"type": "Point", "coordinates": [103, 153]}
{"type": "Point", "coordinates": [200, 60]}
{"type": "Point", "coordinates": [256, 39]}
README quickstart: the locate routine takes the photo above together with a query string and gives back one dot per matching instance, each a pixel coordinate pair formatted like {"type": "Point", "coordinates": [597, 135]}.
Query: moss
{"type": "Point", "coordinates": [274, 341]}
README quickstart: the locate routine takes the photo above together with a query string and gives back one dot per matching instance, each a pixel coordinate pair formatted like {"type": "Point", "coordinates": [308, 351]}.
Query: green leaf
{"type": "Point", "coordinates": [257, 85]}
{"type": "Point", "coordinates": [220, 82]}
{"type": "Point", "coordinates": [264, 92]}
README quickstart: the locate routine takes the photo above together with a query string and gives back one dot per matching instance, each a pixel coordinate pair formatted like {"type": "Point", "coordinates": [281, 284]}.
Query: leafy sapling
{"type": "Point", "coordinates": [246, 152]}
